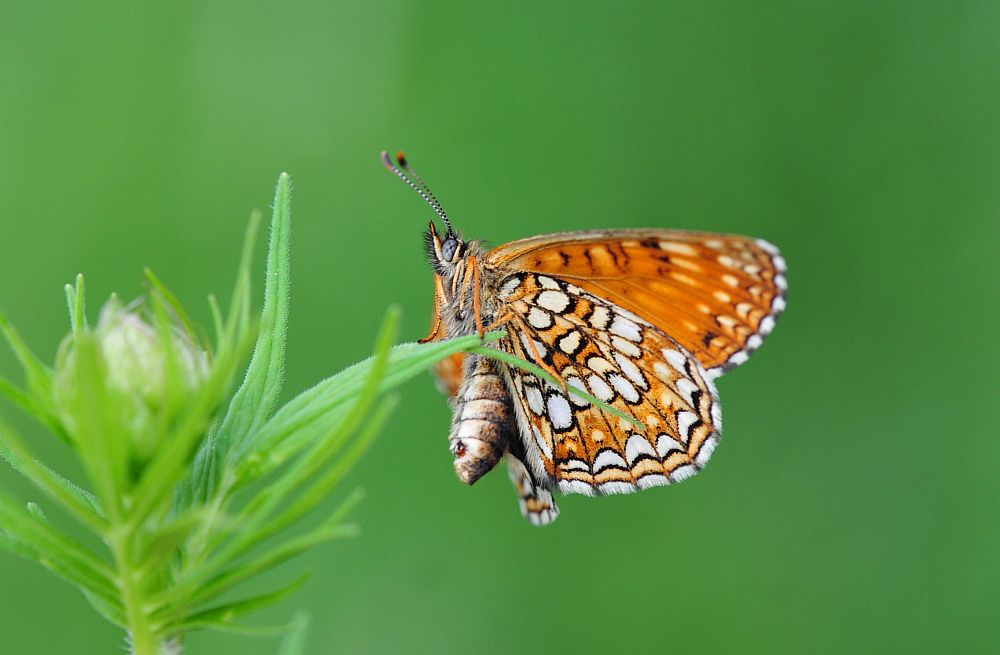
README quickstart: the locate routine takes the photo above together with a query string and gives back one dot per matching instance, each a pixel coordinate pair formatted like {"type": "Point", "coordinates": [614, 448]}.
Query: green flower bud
{"type": "Point", "coordinates": [149, 372]}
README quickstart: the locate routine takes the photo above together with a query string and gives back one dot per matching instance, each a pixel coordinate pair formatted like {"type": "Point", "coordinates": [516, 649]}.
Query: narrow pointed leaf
{"type": "Point", "coordinates": [294, 643]}
{"type": "Point", "coordinates": [226, 614]}
{"type": "Point", "coordinates": [79, 504]}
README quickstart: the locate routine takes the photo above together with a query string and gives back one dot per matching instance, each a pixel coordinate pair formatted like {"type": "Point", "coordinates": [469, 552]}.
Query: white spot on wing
{"type": "Point", "coordinates": [540, 440]}
{"type": "Point", "coordinates": [638, 445]}
{"type": "Point", "coordinates": [626, 347]}
{"type": "Point", "coordinates": [766, 325]}
{"type": "Point", "coordinates": [547, 282]}
{"type": "Point", "coordinates": [554, 301]}
{"type": "Point", "coordinates": [509, 287]}
{"type": "Point", "coordinates": [676, 359]}
{"type": "Point", "coordinates": [666, 444]}
{"type": "Point", "coordinates": [623, 327]}
{"type": "Point", "coordinates": [624, 387]}
{"type": "Point", "coordinates": [608, 458]}
{"type": "Point", "coordinates": [575, 465]}
{"type": "Point", "coordinates": [600, 389]}
{"type": "Point", "coordinates": [679, 248]}
{"type": "Point", "coordinates": [570, 342]}
{"type": "Point", "coordinates": [687, 388]}
{"type": "Point", "coordinates": [630, 370]}
{"type": "Point", "coordinates": [684, 422]}
{"type": "Point", "coordinates": [539, 319]}
{"type": "Point", "coordinates": [534, 396]}
{"type": "Point", "coordinates": [527, 346]}
{"type": "Point", "coordinates": [599, 317]}
{"type": "Point", "coordinates": [572, 382]}
{"type": "Point", "coordinates": [599, 365]}
{"type": "Point", "coordinates": [559, 412]}
{"type": "Point", "coordinates": [778, 304]}
{"type": "Point", "coordinates": [630, 316]}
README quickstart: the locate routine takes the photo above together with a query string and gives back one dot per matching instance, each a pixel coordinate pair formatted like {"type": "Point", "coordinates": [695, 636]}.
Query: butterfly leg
{"type": "Point", "coordinates": [436, 328]}
{"type": "Point", "coordinates": [477, 307]}
{"type": "Point", "coordinates": [536, 501]}
{"type": "Point", "coordinates": [500, 322]}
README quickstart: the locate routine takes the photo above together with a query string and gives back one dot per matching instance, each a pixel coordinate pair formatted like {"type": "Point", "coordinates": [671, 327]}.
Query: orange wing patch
{"type": "Point", "coordinates": [449, 373]}
{"type": "Point", "coordinates": [716, 295]}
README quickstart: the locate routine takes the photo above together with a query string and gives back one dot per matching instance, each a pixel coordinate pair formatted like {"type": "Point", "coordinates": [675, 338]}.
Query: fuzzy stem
{"type": "Point", "coordinates": [143, 639]}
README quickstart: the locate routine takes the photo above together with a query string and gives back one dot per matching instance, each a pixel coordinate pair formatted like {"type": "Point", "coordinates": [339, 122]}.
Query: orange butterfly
{"type": "Point", "coordinates": [643, 320]}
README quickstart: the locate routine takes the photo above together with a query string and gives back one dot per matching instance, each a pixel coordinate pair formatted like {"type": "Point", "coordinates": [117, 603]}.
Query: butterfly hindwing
{"type": "Point", "coordinates": [609, 352]}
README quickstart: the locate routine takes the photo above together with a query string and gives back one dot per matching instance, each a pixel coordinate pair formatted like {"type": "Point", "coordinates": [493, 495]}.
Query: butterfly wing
{"type": "Point", "coordinates": [604, 349]}
{"type": "Point", "coordinates": [717, 295]}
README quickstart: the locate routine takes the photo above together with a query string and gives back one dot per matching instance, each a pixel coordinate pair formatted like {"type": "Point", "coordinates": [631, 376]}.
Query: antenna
{"type": "Point", "coordinates": [424, 192]}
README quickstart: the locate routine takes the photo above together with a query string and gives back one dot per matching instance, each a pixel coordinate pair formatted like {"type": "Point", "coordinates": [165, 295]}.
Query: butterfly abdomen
{"type": "Point", "coordinates": [483, 422]}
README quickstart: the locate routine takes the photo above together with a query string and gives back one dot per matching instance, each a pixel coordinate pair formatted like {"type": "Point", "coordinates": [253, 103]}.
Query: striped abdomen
{"type": "Point", "coordinates": [483, 422]}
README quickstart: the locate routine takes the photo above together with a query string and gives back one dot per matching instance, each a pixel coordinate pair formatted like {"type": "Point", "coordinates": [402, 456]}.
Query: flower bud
{"type": "Point", "coordinates": [149, 372]}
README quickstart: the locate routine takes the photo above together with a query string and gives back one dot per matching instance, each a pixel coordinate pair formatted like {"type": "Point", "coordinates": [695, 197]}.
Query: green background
{"type": "Point", "coordinates": [853, 505]}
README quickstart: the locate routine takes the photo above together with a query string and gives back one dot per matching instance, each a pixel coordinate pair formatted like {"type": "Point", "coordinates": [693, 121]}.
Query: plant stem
{"type": "Point", "coordinates": [144, 640]}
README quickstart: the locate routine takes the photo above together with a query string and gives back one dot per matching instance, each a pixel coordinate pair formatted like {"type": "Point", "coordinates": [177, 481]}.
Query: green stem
{"type": "Point", "coordinates": [144, 640]}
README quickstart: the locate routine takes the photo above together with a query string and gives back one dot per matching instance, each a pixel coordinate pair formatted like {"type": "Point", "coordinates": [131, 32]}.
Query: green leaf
{"type": "Point", "coordinates": [37, 374]}
{"type": "Point", "coordinates": [165, 541]}
{"type": "Point", "coordinates": [110, 609]}
{"type": "Point", "coordinates": [204, 474]}
{"type": "Point", "coordinates": [266, 561]}
{"type": "Point", "coordinates": [99, 436]}
{"type": "Point", "coordinates": [41, 413]}
{"type": "Point", "coordinates": [79, 504]}
{"type": "Point", "coordinates": [256, 398]}
{"type": "Point", "coordinates": [294, 642]}
{"type": "Point", "coordinates": [76, 300]}
{"type": "Point", "coordinates": [321, 488]}
{"type": "Point", "coordinates": [160, 290]}
{"type": "Point", "coordinates": [313, 412]}
{"type": "Point", "coordinates": [29, 537]}
{"type": "Point", "coordinates": [221, 617]}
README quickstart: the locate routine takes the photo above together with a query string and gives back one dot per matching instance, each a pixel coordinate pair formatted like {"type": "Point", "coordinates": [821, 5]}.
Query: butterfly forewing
{"type": "Point", "coordinates": [618, 357]}
{"type": "Point", "coordinates": [717, 295]}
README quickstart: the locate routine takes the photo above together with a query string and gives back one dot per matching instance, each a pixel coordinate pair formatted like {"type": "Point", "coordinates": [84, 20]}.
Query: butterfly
{"type": "Point", "coordinates": [643, 320]}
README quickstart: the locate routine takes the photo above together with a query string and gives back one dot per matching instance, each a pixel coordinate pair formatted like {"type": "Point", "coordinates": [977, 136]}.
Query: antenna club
{"type": "Point", "coordinates": [401, 158]}
{"type": "Point", "coordinates": [387, 162]}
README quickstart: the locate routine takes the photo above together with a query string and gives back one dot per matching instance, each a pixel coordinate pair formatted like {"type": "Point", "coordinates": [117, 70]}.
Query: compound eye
{"type": "Point", "coordinates": [449, 248]}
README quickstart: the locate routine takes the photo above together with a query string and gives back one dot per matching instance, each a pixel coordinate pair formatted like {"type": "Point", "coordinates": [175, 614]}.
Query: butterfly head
{"type": "Point", "coordinates": [445, 251]}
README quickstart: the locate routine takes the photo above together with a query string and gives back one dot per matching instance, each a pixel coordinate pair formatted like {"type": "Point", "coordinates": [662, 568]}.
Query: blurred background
{"type": "Point", "coordinates": [853, 505]}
